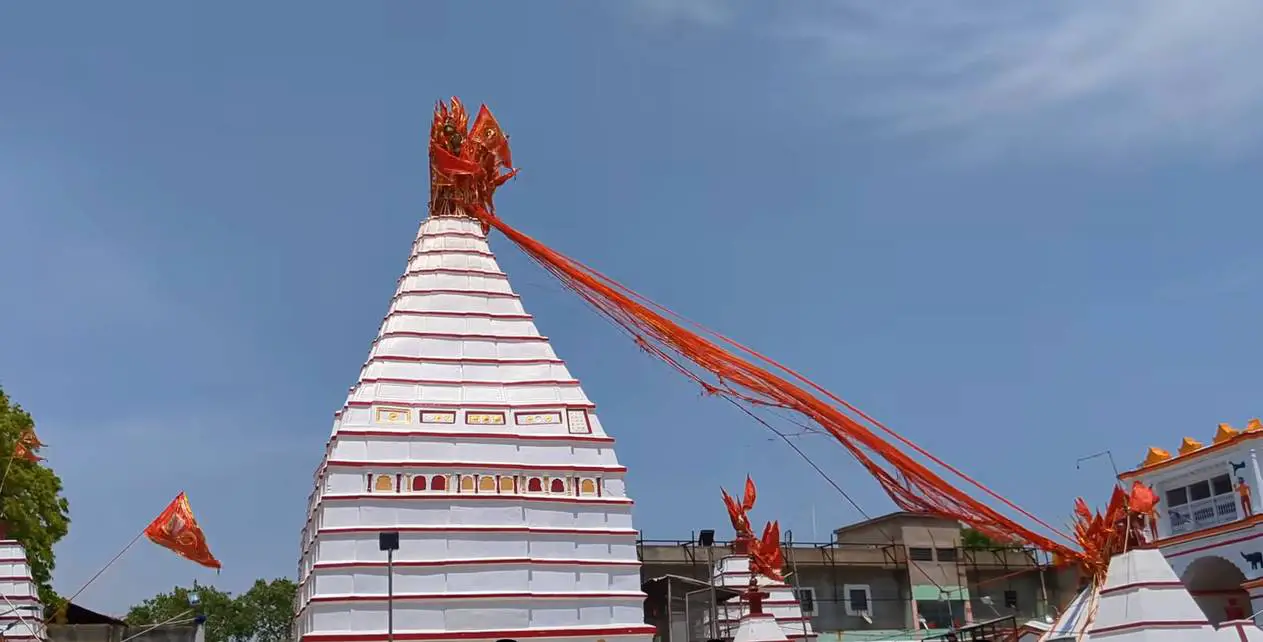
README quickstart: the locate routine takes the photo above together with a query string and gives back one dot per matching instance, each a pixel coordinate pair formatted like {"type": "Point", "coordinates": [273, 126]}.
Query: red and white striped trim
{"type": "Point", "coordinates": [445, 530]}
{"type": "Point", "coordinates": [451, 250]}
{"type": "Point", "coordinates": [541, 530]}
{"type": "Point", "coordinates": [395, 334]}
{"type": "Point", "coordinates": [506, 316]}
{"type": "Point", "coordinates": [455, 271]}
{"type": "Point", "coordinates": [455, 497]}
{"type": "Point", "coordinates": [489, 634]}
{"type": "Point", "coordinates": [475, 466]}
{"type": "Point", "coordinates": [488, 595]}
{"type": "Point", "coordinates": [473, 407]}
{"type": "Point", "coordinates": [465, 436]}
{"type": "Point", "coordinates": [485, 561]}
{"type": "Point", "coordinates": [494, 361]}
{"type": "Point", "coordinates": [490, 294]}
{"type": "Point", "coordinates": [1142, 585]}
{"type": "Point", "coordinates": [470, 382]}
{"type": "Point", "coordinates": [449, 233]}
{"type": "Point", "coordinates": [1148, 624]}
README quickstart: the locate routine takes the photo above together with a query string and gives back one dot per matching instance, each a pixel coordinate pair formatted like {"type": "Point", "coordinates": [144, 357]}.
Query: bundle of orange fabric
{"type": "Point", "coordinates": [466, 170]}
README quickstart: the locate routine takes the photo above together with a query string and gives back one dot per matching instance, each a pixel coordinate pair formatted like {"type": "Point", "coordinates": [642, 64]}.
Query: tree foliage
{"type": "Point", "coordinates": [973, 540]}
{"type": "Point", "coordinates": [30, 501]}
{"type": "Point", "coordinates": [261, 614]}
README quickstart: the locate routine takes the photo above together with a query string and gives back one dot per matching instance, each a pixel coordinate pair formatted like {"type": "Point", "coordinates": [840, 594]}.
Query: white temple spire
{"type": "Point", "coordinates": [467, 434]}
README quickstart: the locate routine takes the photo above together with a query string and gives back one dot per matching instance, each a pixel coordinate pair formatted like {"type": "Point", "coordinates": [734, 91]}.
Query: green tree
{"type": "Point", "coordinates": [974, 540]}
{"type": "Point", "coordinates": [30, 501]}
{"type": "Point", "coordinates": [261, 614]}
{"type": "Point", "coordinates": [269, 608]}
{"type": "Point", "coordinates": [223, 621]}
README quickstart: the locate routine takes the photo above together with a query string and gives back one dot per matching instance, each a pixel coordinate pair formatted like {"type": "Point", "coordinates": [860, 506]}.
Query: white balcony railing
{"type": "Point", "coordinates": [1203, 513]}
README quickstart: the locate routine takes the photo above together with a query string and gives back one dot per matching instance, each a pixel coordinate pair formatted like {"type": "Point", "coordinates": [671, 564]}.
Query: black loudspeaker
{"type": "Point", "coordinates": [706, 538]}
{"type": "Point", "coordinates": [388, 541]}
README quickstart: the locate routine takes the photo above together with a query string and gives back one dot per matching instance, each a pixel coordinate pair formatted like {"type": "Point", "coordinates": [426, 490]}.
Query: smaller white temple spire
{"type": "Point", "coordinates": [757, 626]}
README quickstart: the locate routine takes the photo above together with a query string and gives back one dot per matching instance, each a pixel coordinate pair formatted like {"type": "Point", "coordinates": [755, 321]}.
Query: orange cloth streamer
{"type": "Point", "coordinates": [466, 169]}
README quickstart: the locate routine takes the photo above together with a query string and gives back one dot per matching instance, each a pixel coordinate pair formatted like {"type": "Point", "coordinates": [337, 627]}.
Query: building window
{"type": "Point", "coordinates": [1010, 599]}
{"type": "Point", "coordinates": [418, 483]}
{"type": "Point", "coordinates": [945, 554]}
{"type": "Point", "coordinates": [438, 482]}
{"type": "Point", "coordinates": [535, 485]}
{"type": "Point", "coordinates": [859, 599]}
{"type": "Point", "coordinates": [1202, 504]}
{"type": "Point", "coordinates": [940, 614]}
{"type": "Point", "coordinates": [806, 599]}
{"type": "Point", "coordinates": [558, 486]}
{"type": "Point", "coordinates": [384, 483]}
{"type": "Point", "coordinates": [921, 554]}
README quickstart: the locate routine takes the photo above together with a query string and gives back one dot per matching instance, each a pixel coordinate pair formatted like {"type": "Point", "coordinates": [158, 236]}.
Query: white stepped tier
{"type": "Point", "coordinates": [21, 614]}
{"type": "Point", "coordinates": [466, 433]}
{"type": "Point", "coordinates": [1142, 600]}
{"type": "Point", "coordinates": [733, 571]}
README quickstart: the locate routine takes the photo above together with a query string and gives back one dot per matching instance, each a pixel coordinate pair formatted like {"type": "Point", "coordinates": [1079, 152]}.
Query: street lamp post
{"type": "Point", "coordinates": [389, 542]}
{"type": "Point", "coordinates": [1104, 453]}
{"type": "Point", "coordinates": [706, 539]}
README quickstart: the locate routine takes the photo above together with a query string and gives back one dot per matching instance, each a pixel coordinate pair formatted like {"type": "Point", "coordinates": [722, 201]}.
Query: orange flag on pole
{"type": "Point", "coordinates": [26, 445]}
{"type": "Point", "coordinates": [176, 529]}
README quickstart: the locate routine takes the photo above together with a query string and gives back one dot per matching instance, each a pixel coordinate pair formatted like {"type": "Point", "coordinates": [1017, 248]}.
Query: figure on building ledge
{"type": "Point", "coordinates": [1243, 491]}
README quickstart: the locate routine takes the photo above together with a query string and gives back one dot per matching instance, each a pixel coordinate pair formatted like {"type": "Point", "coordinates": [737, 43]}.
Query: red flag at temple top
{"type": "Point", "coordinates": [176, 529]}
{"type": "Point", "coordinates": [26, 445]}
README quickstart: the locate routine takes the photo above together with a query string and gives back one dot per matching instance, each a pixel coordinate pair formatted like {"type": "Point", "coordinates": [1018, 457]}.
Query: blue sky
{"type": "Point", "coordinates": [1017, 235]}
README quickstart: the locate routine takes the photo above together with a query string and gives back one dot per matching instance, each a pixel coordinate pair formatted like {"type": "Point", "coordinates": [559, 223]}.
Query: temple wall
{"type": "Point", "coordinates": [454, 510]}
{"type": "Point", "coordinates": [503, 577]}
{"type": "Point", "coordinates": [21, 614]}
{"type": "Point", "coordinates": [565, 455]}
{"type": "Point", "coordinates": [420, 546]}
{"type": "Point", "coordinates": [514, 613]}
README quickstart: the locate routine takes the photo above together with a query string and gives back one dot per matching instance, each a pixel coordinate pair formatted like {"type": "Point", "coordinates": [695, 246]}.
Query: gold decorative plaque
{"type": "Point", "coordinates": [484, 418]}
{"type": "Point", "coordinates": [537, 418]}
{"type": "Point", "coordinates": [394, 416]}
{"type": "Point", "coordinates": [438, 417]}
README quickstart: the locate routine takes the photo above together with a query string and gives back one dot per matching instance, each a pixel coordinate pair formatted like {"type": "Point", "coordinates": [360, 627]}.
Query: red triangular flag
{"type": "Point", "coordinates": [176, 529]}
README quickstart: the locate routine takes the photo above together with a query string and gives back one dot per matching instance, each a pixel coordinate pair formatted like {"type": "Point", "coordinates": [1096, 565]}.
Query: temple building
{"type": "Point", "coordinates": [21, 614]}
{"type": "Point", "coordinates": [779, 605]}
{"type": "Point", "coordinates": [465, 434]}
{"type": "Point", "coordinates": [1209, 526]}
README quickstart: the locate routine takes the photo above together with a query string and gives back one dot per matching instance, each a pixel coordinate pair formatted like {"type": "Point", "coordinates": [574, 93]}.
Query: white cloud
{"type": "Point", "coordinates": [1120, 77]}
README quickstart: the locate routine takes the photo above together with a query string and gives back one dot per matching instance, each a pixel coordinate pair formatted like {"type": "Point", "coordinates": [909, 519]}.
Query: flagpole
{"type": "Point", "coordinates": [7, 468]}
